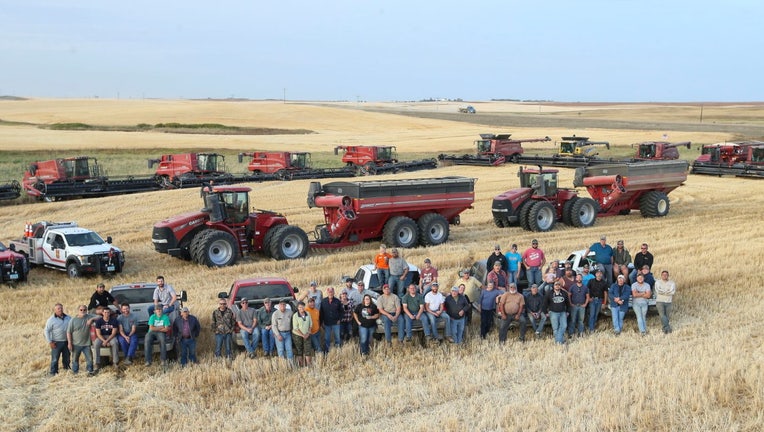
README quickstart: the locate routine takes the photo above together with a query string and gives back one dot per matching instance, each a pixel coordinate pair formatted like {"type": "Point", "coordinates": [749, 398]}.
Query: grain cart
{"type": "Point", "coordinates": [189, 169]}
{"type": "Point", "coordinates": [493, 150]}
{"type": "Point", "coordinates": [658, 150]}
{"type": "Point", "coordinates": [615, 189]}
{"type": "Point", "coordinates": [371, 160]}
{"type": "Point", "coordinates": [290, 166]}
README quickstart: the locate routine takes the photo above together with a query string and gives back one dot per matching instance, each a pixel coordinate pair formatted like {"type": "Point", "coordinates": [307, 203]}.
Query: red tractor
{"type": "Point", "coordinates": [173, 169]}
{"type": "Point", "coordinates": [371, 160]}
{"type": "Point", "coordinates": [659, 150]}
{"type": "Point", "coordinates": [290, 165]}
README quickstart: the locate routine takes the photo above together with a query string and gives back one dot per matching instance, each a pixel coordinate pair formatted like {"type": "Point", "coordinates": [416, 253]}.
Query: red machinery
{"type": "Point", "coordinates": [493, 150]}
{"type": "Point", "coordinates": [615, 189]}
{"type": "Point", "coordinates": [742, 159]}
{"type": "Point", "coordinates": [175, 169]}
{"type": "Point", "coordinates": [290, 165]}
{"type": "Point", "coordinates": [658, 150]}
{"type": "Point", "coordinates": [370, 160]}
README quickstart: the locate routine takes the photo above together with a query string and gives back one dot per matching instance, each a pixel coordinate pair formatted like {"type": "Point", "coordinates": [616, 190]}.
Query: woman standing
{"type": "Point", "coordinates": [366, 315]}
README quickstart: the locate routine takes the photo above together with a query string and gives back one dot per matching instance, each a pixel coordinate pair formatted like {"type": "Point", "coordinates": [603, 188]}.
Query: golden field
{"type": "Point", "coordinates": [707, 375]}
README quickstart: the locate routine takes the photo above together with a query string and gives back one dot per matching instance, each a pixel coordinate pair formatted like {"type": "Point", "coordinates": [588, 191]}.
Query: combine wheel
{"type": "Point", "coordinates": [433, 229]}
{"type": "Point", "coordinates": [584, 213]}
{"type": "Point", "coordinates": [288, 242]}
{"type": "Point", "coordinates": [281, 174]}
{"type": "Point", "coordinates": [654, 204]}
{"type": "Point", "coordinates": [73, 270]}
{"type": "Point", "coordinates": [369, 169]}
{"type": "Point", "coordinates": [215, 248]}
{"type": "Point", "coordinates": [400, 231]}
{"type": "Point", "coordinates": [500, 221]}
{"type": "Point", "coordinates": [542, 216]}
{"type": "Point", "coordinates": [523, 212]}
{"type": "Point", "coordinates": [567, 210]}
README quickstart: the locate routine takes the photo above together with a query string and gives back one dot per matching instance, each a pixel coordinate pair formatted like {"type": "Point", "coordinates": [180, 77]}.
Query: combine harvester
{"type": "Point", "coordinates": [492, 150]}
{"type": "Point", "coordinates": [740, 159]}
{"type": "Point", "coordinates": [372, 160]}
{"type": "Point", "coordinates": [615, 189]}
{"type": "Point", "coordinates": [574, 152]}
{"type": "Point", "coordinates": [290, 166]}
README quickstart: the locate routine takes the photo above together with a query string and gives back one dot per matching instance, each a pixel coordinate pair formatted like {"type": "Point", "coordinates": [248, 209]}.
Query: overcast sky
{"type": "Point", "coordinates": [595, 50]}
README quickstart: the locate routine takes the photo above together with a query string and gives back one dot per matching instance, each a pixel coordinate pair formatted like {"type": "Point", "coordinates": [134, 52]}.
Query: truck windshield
{"type": "Point", "coordinates": [260, 292]}
{"type": "Point", "coordinates": [83, 239]}
{"type": "Point", "coordinates": [2, 247]}
{"type": "Point", "coordinates": [134, 296]}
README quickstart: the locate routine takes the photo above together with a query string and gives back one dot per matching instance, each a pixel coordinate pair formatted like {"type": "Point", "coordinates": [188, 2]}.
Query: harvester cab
{"type": "Point", "coordinates": [226, 203]}
{"type": "Point", "coordinates": [659, 150]}
{"type": "Point", "coordinates": [580, 146]}
{"type": "Point", "coordinates": [300, 160]}
{"type": "Point", "coordinates": [386, 154]}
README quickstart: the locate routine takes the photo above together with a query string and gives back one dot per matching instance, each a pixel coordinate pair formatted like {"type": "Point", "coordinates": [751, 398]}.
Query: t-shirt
{"type": "Point", "coordinates": [513, 260]}
{"type": "Point", "coordinates": [164, 295]}
{"type": "Point", "coordinates": [381, 259]}
{"type": "Point", "coordinates": [246, 317]}
{"type": "Point", "coordinates": [578, 294]}
{"type": "Point", "coordinates": [127, 322]}
{"type": "Point", "coordinates": [388, 303]}
{"type": "Point", "coordinates": [413, 302]}
{"type": "Point", "coordinates": [104, 299]}
{"type": "Point", "coordinates": [398, 266]}
{"type": "Point", "coordinates": [434, 301]}
{"type": "Point", "coordinates": [107, 327]}
{"type": "Point", "coordinates": [301, 323]}
{"type": "Point", "coordinates": [533, 257]}
{"type": "Point", "coordinates": [427, 276]}
{"type": "Point", "coordinates": [602, 254]}
{"type": "Point", "coordinates": [639, 288]}
{"type": "Point", "coordinates": [155, 321]}
{"type": "Point", "coordinates": [488, 299]}
{"type": "Point", "coordinates": [365, 313]}
{"type": "Point", "coordinates": [79, 330]}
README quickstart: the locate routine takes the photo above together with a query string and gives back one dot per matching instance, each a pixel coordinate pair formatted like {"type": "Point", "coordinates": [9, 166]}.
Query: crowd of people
{"type": "Point", "coordinates": [571, 300]}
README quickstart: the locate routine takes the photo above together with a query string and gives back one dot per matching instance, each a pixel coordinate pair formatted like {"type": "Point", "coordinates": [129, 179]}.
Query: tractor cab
{"type": "Point", "coordinates": [483, 146]}
{"type": "Point", "coordinates": [542, 181]}
{"type": "Point", "coordinates": [386, 154]}
{"type": "Point", "coordinates": [79, 168]}
{"type": "Point", "coordinates": [300, 160]}
{"type": "Point", "coordinates": [647, 150]}
{"type": "Point", "coordinates": [211, 162]}
{"type": "Point", "coordinates": [226, 203]}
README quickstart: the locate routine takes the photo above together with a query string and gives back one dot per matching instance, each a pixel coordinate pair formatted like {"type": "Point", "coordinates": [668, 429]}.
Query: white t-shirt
{"type": "Point", "coordinates": [434, 301]}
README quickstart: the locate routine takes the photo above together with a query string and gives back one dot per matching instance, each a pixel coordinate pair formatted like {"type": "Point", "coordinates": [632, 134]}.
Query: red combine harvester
{"type": "Point", "coordinates": [403, 212]}
{"type": "Point", "coordinates": [493, 150]}
{"type": "Point", "coordinates": [371, 160]}
{"type": "Point", "coordinates": [658, 150]}
{"type": "Point", "coordinates": [615, 189]}
{"type": "Point", "coordinates": [741, 159]}
{"type": "Point", "coordinates": [175, 170]}
{"type": "Point", "coordinates": [290, 166]}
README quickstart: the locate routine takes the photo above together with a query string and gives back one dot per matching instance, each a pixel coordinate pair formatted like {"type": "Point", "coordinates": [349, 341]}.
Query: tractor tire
{"type": "Point", "coordinates": [567, 210]}
{"type": "Point", "coordinates": [193, 248]}
{"type": "Point", "coordinates": [501, 221]}
{"type": "Point", "coordinates": [584, 212]}
{"type": "Point", "coordinates": [73, 270]}
{"type": "Point", "coordinates": [267, 241]}
{"type": "Point", "coordinates": [400, 231]}
{"type": "Point", "coordinates": [288, 242]}
{"type": "Point", "coordinates": [654, 204]}
{"type": "Point", "coordinates": [216, 249]}
{"type": "Point", "coordinates": [524, 211]}
{"type": "Point", "coordinates": [433, 229]}
{"type": "Point", "coordinates": [542, 217]}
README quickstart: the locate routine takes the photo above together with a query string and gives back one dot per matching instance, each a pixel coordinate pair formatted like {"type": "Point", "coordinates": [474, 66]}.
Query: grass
{"type": "Point", "coordinates": [707, 375]}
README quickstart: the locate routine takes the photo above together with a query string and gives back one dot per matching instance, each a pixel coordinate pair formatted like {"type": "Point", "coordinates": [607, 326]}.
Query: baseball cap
{"type": "Point", "coordinates": [283, 302]}
{"type": "Point", "coordinates": [454, 288]}
{"type": "Point", "coordinates": [244, 300]}
{"type": "Point", "coordinates": [313, 283]}
{"type": "Point", "coordinates": [435, 284]}
{"type": "Point", "coordinates": [496, 247]}
{"type": "Point", "coordinates": [621, 277]}
{"type": "Point", "coordinates": [427, 260]}
{"type": "Point", "coordinates": [267, 300]}
{"type": "Point", "coordinates": [312, 300]}
{"type": "Point", "coordinates": [534, 241]}
{"type": "Point", "coordinates": [185, 309]}
{"type": "Point", "coordinates": [385, 286]}
{"type": "Point", "coordinates": [602, 237]}
{"type": "Point", "coordinates": [349, 279]}
{"type": "Point", "coordinates": [514, 245]}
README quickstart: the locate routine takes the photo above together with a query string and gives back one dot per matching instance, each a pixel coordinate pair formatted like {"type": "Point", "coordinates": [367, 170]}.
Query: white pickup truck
{"type": "Point", "coordinates": [67, 247]}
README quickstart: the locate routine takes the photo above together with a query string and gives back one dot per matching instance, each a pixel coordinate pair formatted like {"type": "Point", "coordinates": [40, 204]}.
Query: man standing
{"type": "Point", "coordinates": [187, 327]}
{"type": "Point", "coordinates": [101, 297]}
{"type": "Point", "coordinates": [603, 255]}
{"type": "Point", "coordinates": [346, 323]}
{"type": "Point", "coordinates": [534, 260]}
{"type": "Point", "coordinates": [78, 338]}
{"type": "Point", "coordinates": [621, 260]}
{"type": "Point", "coordinates": [106, 330]}
{"type": "Point", "coordinates": [640, 292]}
{"type": "Point", "coordinates": [511, 305]}
{"type": "Point", "coordinates": [381, 264]}
{"type": "Point", "coordinates": [127, 337]}
{"type": "Point", "coordinates": [389, 306]}
{"type": "Point", "coordinates": [496, 256]}
{"type": "Point", "coordinates": [165, 296]}
{"type": "Point", "coordinates": [488, 299]}
{"type": "Point", "coordinates": [159, 325]}
{"type": "Point", "coordinates": [433, 307]}
{"type": "Point", "coordinates": [413, 309]}
{"type": "Point", "coordinates": [641, 259]}
{"type": "Point", "coordinates": [498, 277]}
{"type": "Point", "coordinates": [536, 307]}
{"type": "Point", "coordinates": [247, 320]}
{"type": "Point", "coordinates": [399, 268]}
{"type": "Point", "coordinates": [264, 325]}
{"type": "Point", "coordinates": [312, 293]}
{"type": "Point", "coordinates": [315, 324]}
{"type": "Point", "coordinates": [331, 314]}
{"type": "Point", "coordinates": [456, 307]}
{"type": "Point", "coordinates": [428, 275]}
{"type": "Point", "coordinates": [282, 331]}
{"type": "Point", "coordinates": [664, 291]}
{"type": "Point", "coordinates": [619, 294]}
{"type": "Point", "coordinates": [597, 297]}
{"type": "Point", "coordinates": [579, 299]}
{"type": "Point", "coordinates": [557, 305]}
{"type": "Point", "coordinates": [223, 322]}
{"type": "Point", "coordinates": [514, 260]}
{"type": "Point", "coordinates": [301, 324]}
{"type": "Point", "coordinates": [472, 286]}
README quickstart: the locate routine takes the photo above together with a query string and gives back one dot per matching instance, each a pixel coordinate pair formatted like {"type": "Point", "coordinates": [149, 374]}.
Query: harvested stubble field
{"type": "Point", "coordinates": [707, 375]}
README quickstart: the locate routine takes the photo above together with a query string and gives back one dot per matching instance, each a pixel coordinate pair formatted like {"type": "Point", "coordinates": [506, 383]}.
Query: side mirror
{"type": "Point", "coordinates": [12, 247]}
{"type": "Point", "coordinates": [183, 296]}
{"type": "Point", "coordinates": [295, 289]}
{"type": "Point", "coordinates": [222, 294]}
{"type": "Point", "coordinates": [108, 239]}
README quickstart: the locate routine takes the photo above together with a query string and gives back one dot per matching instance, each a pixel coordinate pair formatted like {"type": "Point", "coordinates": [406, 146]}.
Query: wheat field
{"type": "Point", "coordinates": [706, 375]}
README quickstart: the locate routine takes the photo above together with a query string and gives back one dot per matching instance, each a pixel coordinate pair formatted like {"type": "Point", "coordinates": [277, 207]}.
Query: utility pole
{"type": "Point", "coordinates": [284, 94]}
{"type": "Point", "coordinates": [701, 113]}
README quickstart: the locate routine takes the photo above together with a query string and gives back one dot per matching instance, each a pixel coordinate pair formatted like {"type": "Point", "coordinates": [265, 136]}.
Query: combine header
{"type": "Point", "coordinates": [10, 190]}
{"type": "Point", "coordinates": [493, 150]}
{"type": "Point", "coordinates": [741, 159]}
{"type": "Point", "coordinates": [290, 166]}
{"type": "Point", "coordinates": [371, 160]}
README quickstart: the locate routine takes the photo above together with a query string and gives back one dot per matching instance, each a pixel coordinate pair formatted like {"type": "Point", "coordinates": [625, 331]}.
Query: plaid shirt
{"type": "Point", "coordinates": [347, 311]}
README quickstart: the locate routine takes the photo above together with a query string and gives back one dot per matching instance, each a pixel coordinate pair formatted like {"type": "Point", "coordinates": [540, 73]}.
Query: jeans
{"type": "Point", "coordinates": [664, 310]}
{"type": "Point", "coordinates": [187, 351]}
{"type": "Point", "coordinates": [617, 313]}
{"type": "Point", "coordinates": [315, 341]}
{"type": "Point", "coordinates": [61, 350]}
{"type": "Point", "coordinates": [148, 348]}
{"type": "Point", "coordinates": [595, 305]}
{"type": "Point", "coordinates": [269, 341]}
{"type": "Point", "coordinates": [559, 324]}
{"type": "Point", "coordinates": [534, 275]}
{"type": "Point", "coordinates": [346, 330]}
{"type": "Point", "coordinates": [537, 324]}
{"type": "Point", "coordinates": [166, 309]}
{"type": "Point", "coordinates": [284, 346]}
{"type": "Point", "coordinates": [128, 346]}
{"type": "Point", "coordinates": [457, 329]}
{"type": "Point", "coordinates": [85, 350]}
{"type": "Point", "coordinates": [395, 281]}
{"type": "Point", "coordinates": [504, 327]}
{"type": "Point", "coordinates": [433, 322]}
{"type": "Point", "coordinates": [365, 334]}
{"type": "Point", "coordinates": [250, 339]}
{"type": "Point", "coordinates": [329, 331]}
{"type": "Point", "coordinates": [220, 339]}
{"type": "Point", "coordinates": [486, 321]}
{"type": "Point", "coordinates": [576, 319]}
{"type": "Point", "coordinates": [383, 275]}
{"type": "Point", "coordinates": [113, 347]}
{"type": "Point", "coordinates": [640, 310]}
{"type": "Point", "coordinates": [389, 327]}
{"type": "Point", "coordinates": [409, 323]}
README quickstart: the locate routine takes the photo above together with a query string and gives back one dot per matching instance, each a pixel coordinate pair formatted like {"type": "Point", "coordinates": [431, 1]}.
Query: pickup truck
{"type": "Point", "coordinates": [68, 247]}
{"type": "Point", "coordinates": [140, 296]}
{"type": "Point", "coordinates": [14, 267]}
{"type": "Point", "coordinates": [255, 290]}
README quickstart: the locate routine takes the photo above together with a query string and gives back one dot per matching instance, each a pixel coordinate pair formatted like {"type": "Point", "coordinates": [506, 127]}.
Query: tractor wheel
{"type": "Point", "coordinates": [523, 211]}
{"type": "Point", "coordinates": [400, 231]}
{"type": "Point", "coordinates": [288, 242]}
{"type": "Point", "coordinates": [654, 204]}
{"type": "Point", "coordinates": [267, 242]}
{"type": "Point", "coordinates": [542, 216]}
{"type": "Point", "coordinates": [584, 212]}
{"type": "Point", "coordinates": [73, 270]}
{"type": "Point", "coordinates": [567, 211]}
{"type": "Point", "coordinates": [500, 221]}
{"type": "Point", "coordinates": [193, 248]}
{"type": "Point", "coordinates": [216, 249]}
{"type": "Point", "coordinates": [433, 229]}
